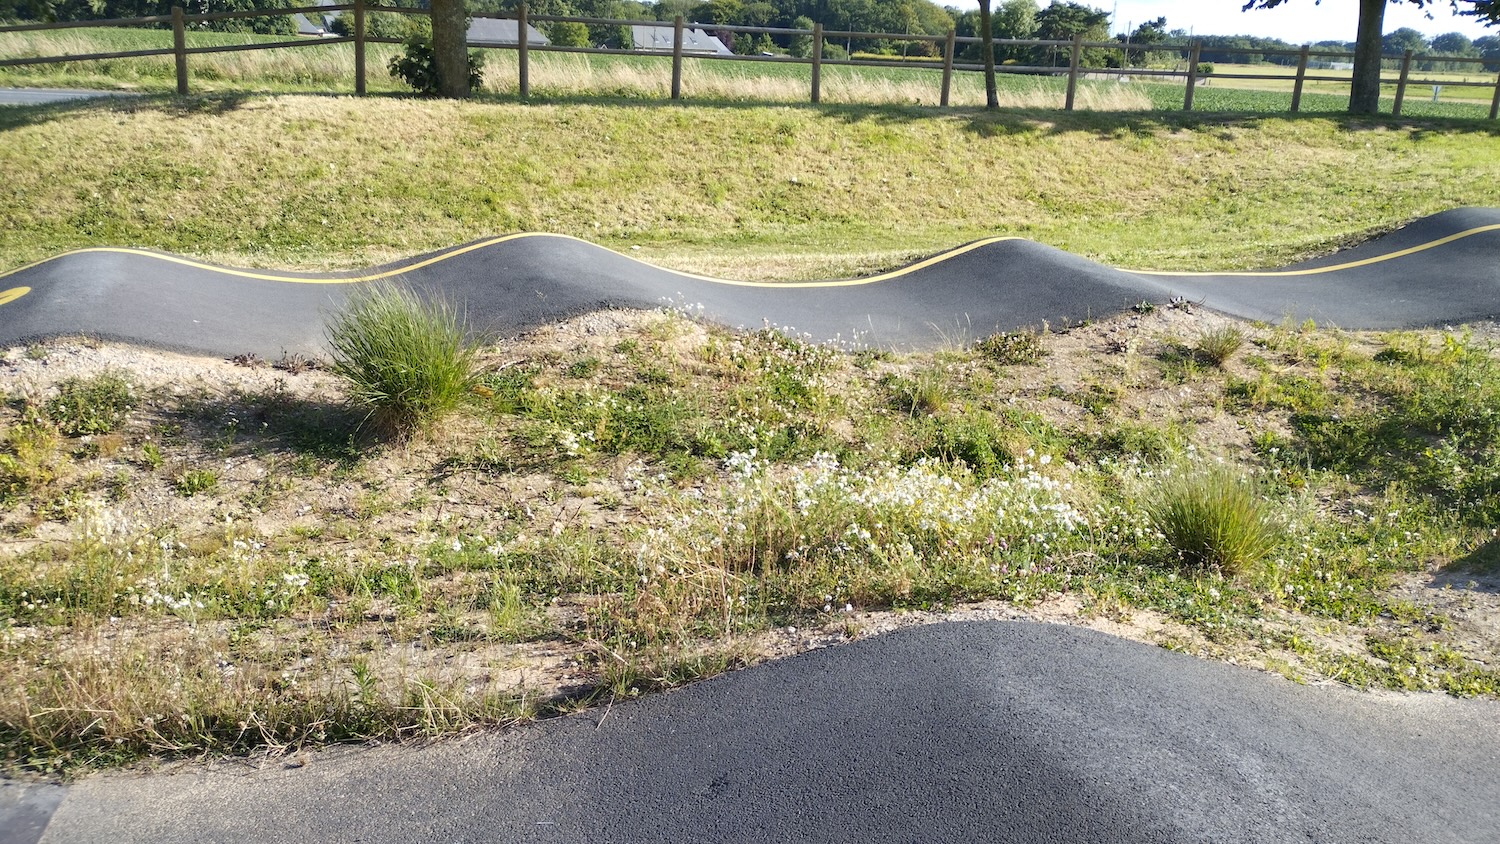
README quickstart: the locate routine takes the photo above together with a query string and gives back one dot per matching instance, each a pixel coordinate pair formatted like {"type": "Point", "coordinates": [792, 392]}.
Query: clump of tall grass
{"type": "Point", "coordinates": [1214, 516]}
{"type": "Point", "coordinates": [1218, 345]}
{"type": "Point", "coordinates": [405, 360]}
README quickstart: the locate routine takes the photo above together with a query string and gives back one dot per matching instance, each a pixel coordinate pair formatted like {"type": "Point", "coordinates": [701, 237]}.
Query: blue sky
{"type": "Point", "coordinates": [1297, 21]}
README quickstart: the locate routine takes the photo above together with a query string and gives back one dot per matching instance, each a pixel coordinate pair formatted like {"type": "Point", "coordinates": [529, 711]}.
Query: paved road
{"type": "Point", "coordinates": [42, 96]}
{"type": "Point", "coordinates": [1442, 269]}
{"type": "Point", "coordinates": [965, 732]}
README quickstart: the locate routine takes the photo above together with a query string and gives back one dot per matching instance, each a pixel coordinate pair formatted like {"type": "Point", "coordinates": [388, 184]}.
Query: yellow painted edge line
{"type": "Point", "coordinates": [1363, 262]}
{"type": "Point", "coordinates": [11, 295]}
{"type": "Point", "coordinates": [453, 253]}
{"type": "Point", "coordinates": [848, 282]}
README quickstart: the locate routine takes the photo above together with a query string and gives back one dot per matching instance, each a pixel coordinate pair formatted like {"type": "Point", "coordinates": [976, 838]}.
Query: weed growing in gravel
{"type": "Point", "coordinates": [94, 405]}
{"type": "Point", "coordinates": [1014, 348]}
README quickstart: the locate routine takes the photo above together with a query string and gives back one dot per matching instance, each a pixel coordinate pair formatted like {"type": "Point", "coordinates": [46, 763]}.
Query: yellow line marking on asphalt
{"type": "Point", "coordinates": [1363, 262]}
{"type": "Point", "coordinates": [847, 282]}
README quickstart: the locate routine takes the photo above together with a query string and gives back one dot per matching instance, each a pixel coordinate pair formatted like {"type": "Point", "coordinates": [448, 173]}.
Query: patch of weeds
{"type": "Point", "coordinates": [28, 463]}
{"type": "Point", "coordinates": [511, 388]}
{"type": "Point", "coordinates": [1214, 516]}
{"type": "Point", "coordinates": [1291, 392]}
{"type": "Point", "coordinates": [1129, 439]}
{"type": "Point", "coordinates": [977, 440]}
{"type": "Point", "coordinates": [193, 482]}
{"type": "Point", "coordinates": [583, 368]}
{"type": "Point", "coordinates": [1097, 399]}
{"type": "Point", "coordinates": [406, 361]}
{"type": "Point", "coordinates": [1179, 364]}
{"type": "Point", "coordinates": [1218, 345]}
{"type": "Point", "coordinates": [511, 618]}
{"type": "Point", "coordinates": [1012, 348]}
{"type": "Point", "coordinates": [924, 394]}
{"type": "Point", "coordinates": [94, 405]}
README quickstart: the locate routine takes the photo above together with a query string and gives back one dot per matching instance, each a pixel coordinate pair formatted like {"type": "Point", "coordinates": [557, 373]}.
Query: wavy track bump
{"type": "Point", "coordinates": [1441, 269]}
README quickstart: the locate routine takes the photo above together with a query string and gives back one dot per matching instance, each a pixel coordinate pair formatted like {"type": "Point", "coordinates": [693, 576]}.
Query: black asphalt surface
{"type": "Point", "coordinates": [41, 96]}
{"type": "Point", "coordinates": [960, 732]}
{"type": "Point", "coordinates": [514, 285]}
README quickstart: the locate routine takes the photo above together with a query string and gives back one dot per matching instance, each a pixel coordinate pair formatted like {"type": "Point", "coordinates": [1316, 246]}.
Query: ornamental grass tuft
{"type": "Point", "coordinates": [405, 360]}
{"type": "Point", "coordinates": [1214, 516]}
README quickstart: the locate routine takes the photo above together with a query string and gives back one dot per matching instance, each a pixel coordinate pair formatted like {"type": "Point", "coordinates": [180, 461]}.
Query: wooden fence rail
{"type": "Point", "coordinates": [946, 61]}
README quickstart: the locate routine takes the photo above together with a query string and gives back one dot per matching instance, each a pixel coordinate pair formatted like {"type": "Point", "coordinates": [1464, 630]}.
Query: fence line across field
{"type": "Point", "coordinates": [948, 45]}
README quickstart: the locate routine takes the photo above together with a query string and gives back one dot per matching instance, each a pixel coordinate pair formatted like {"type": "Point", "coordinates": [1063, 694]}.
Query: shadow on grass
{"type": "Point", "coordinates": [977, 120]}
{"type": "Point", "coordinates": [115, 102]}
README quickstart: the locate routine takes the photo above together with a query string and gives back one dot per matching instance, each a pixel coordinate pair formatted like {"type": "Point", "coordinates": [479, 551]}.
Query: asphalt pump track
{"type": "Point", "coordinates": [1000, 731]}
{"type": "Point", "coordinates": [1442, 269]}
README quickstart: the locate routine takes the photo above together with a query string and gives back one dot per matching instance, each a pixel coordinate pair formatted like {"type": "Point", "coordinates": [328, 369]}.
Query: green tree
{"type": "Point", "coordinates": [1147, 34]}
{"type": "Point", "coordinates": [1488, 48]}
{"type": "Point", "coordinates": [568, 34]}
{"type": "Point", "coordinates": [1364, 93]}
{"type": "Point", "coordinates": [800, 46]}
{"type": "Point", "coordinates": [1064, 21]}
{"type": "Point", "coordinates": [1403, 39]}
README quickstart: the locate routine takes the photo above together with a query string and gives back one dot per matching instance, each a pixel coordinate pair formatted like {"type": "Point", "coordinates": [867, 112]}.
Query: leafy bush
{"type": "Point", "coordinates": [1214, 517]}
{"type": "Point", "coordinates": [1012, 348]}
{"type": "Point", "coordinates": [417, 66]}
{"type": "Point", "coordinates": [404, 360]}
{"type": "Point", "coordinates": [1218, 345]}
{"type": "Point", "coordinates": [94, 405]}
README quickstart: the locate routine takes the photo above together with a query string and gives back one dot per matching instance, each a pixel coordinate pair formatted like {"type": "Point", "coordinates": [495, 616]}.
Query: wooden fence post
{"type": "Point", "coordinates": [1401, 83]}
{"type": "Point", "coordinates": [179, 46]}
{"type": "Point", "coordinates": [1192, 78]}
{"type": "Point", "coordinates": [523, 52]}
{"type": "Point", "coordinates": [677, 58]}
{"type": "Point", "coordinates": [1301, 77]}
{"type": "Point", "coordinates": [1073, 70]}
{"type": "Point", "coordinates": [817, 63]}
{"type": "Point", "coordinates": [948, 66]}
{"type": "Point", "coordinates": [1495, 103]}
{"type": "Point", "coordinates": [359, 47]}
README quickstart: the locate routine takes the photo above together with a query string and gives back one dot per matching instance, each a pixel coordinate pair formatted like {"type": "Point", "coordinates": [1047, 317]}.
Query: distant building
{"type": "Point", "coordinates": [483, 32]}
{"type": "Point", "coordinates": [658, 39]}
{"type": "Point", "coordinates": [497, 32]}
{"type": "Point", "coordinates": [317, 26]}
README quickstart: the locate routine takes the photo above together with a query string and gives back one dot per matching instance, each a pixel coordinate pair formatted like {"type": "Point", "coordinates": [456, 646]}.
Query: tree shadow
{"type": "Point", "coordinates": [113, 102]}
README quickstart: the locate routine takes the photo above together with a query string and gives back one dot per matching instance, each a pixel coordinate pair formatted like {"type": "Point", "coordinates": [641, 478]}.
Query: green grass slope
{"type": "Point", "coordinates": [744, 190]}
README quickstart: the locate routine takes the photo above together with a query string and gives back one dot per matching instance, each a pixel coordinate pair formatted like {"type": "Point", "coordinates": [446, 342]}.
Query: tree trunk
{"type": "Point", "coordinates": [987, 47]}
{"type": "Point", "coordinates": [1364, 94]}
{"type": "Point", "coordinates": [450, 48]}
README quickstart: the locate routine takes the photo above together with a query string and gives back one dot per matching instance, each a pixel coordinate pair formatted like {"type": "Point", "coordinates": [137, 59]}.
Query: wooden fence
{"type": "Point", "coordinates": [947, 62]}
